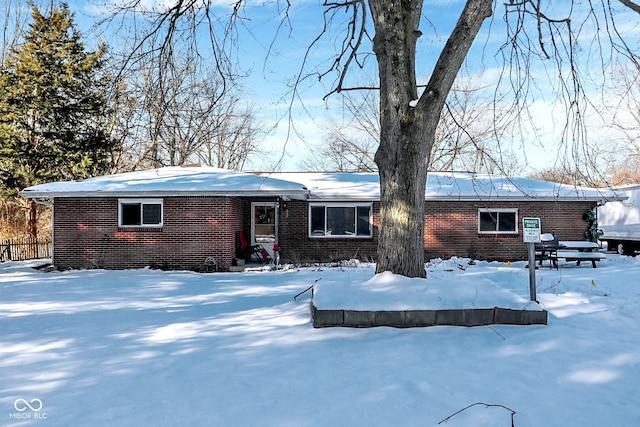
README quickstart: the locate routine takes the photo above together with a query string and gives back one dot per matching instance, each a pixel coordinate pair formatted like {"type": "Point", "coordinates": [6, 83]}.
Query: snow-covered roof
{"type": "Point", "coordinates": [201, 181]}
{"type": "Point", "coordinates": [459, 186]}
{"type": "Point", "coordinates": [171, 181]}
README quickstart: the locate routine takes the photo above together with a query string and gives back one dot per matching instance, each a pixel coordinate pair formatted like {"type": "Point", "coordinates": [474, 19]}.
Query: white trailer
{"type": "Point", "coordinates": [620, 221]}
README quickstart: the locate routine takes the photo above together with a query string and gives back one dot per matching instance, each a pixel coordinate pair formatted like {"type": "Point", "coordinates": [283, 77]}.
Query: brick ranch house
{"type": "Point", "coordinates": [177, 217]}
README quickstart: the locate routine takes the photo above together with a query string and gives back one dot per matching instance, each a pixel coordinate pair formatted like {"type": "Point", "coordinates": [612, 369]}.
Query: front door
{"type": "Point", "coordinates": [264, 225]}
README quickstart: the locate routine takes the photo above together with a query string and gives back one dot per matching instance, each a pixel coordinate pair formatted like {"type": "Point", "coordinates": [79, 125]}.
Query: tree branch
{"type": "Point", "coordinates": [454, 53]}
{"type": "Point", "coordinates": [631, 5]}
{"type": "Point", "coordinates": [487, 405]}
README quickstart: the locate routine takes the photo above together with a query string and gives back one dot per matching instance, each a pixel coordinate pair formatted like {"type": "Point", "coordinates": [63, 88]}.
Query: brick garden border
{"type": "Point", "coordinates": [424, 318]}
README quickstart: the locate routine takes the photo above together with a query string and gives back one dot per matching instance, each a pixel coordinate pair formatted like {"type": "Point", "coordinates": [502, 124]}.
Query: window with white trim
{"type": "Point", "coordinates": [340, 220]}
{"type": "Point", "coordinates": [140, 212]}
{"type": "Point", "coordinates": [498, 221]}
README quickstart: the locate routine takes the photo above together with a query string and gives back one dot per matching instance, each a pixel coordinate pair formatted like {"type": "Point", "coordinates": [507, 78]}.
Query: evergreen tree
{"type": "Point", "coordinates": [53, 106]}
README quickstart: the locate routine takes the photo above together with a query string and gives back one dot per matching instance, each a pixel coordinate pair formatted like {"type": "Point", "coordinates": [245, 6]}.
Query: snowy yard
{"type": "Point", "coordinates": [145, 347]}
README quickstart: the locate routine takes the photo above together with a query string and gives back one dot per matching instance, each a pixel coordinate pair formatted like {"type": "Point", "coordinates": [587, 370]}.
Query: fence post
{"type": "Point", "coordinates": [5, 249]}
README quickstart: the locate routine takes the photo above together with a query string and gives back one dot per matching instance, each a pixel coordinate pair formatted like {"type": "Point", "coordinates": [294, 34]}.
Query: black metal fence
{"type": "Point", "coordinates": [21, 249]}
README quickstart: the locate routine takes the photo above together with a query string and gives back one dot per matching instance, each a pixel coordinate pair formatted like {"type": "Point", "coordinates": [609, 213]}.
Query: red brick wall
{"type": "Point", "coordinates": [451, 229]}
{"type": "Point", "coordinates": [297, 246]}
{"type": "Point", "coordinates": [86, 234]}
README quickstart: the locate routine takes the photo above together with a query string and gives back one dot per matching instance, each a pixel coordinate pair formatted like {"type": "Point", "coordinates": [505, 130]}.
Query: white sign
{"type": "Point", "coordinates": [531, 230]}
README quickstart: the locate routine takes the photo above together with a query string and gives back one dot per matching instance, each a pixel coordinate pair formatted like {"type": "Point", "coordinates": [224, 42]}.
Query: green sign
{"type": "Point", "coordinates": [531, 230]}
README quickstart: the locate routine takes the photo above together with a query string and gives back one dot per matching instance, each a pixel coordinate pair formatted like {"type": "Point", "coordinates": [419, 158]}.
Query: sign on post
{"type": "Point", "coordinates": [531, 236]}
{"type": "Point", "coordinates": [531, 230]}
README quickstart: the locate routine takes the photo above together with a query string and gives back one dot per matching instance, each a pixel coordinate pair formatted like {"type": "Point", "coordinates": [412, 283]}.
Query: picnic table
{"type": "Point", "coordinates": [569, 251]}
{"type": "Point", "coordinates": [572, 251]}
{"type": "Point", "coordinates": [580, 251]}
{"type": "Point", "coordinates": [581, 246]}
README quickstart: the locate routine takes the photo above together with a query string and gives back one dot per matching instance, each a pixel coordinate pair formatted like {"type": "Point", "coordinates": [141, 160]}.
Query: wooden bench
{"type": "Point", "coordinates": [576, 255]}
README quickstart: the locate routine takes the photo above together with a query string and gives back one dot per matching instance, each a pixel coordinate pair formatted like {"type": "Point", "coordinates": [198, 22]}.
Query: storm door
{"type": "Point", "coordinates": [264, 224]}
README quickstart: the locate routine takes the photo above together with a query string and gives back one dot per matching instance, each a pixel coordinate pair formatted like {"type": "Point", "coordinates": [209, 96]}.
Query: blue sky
{"type": "Point", "coordinates": [273, 61]}
{"type": "Point", "coordinates": [538, 145]}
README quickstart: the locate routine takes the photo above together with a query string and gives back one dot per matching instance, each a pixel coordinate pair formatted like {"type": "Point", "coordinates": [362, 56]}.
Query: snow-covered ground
{"type": "Point", "coordinates": [145, 347]}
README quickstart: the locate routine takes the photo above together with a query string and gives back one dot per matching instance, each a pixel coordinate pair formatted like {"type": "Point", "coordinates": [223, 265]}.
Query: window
{"type": "Point", "coordinates": [140, 213]}
{"type": "Point", "coordinates": [498, 221]}
{"type": "Point", "coordinates": [340, 220]}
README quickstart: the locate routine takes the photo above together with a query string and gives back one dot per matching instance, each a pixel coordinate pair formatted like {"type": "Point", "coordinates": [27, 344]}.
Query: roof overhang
{"type": "Point", "coordinates": [38, 194]}
{"type": "Point", "coordinates": [171, 182]}
{"type": "Point", "coordinates": [322, 186]}
{"type": "Point", "coordinates": [449, 187]}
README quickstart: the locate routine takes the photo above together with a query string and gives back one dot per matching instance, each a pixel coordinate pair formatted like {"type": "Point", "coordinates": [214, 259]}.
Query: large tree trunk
{"type": "Point", "coordinates": [32, 223]}
{"type": "Point", "coordinates": [407, 129]}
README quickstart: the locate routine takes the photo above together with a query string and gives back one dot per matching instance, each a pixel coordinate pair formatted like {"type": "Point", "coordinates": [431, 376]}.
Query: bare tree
{"type": "Point", "coordinates": [345, 152]}
{"type": "Point", "coordinates": [409, 121]}
{"type": "Point", "coordinates": [16, 14]}
{"type": "Point", "coordinates": [536, 30]}
{"type": "Point", "coordinates": [625, 156]}
{"type": "Point", "coordinates": [233, 136]}
{"type": "Point", "coordinates": [180, 113]}
{"type": "Point", "coordinates": [467, 137]}
{"type": "Point", "coordinates": [469, 134]}
{"type": "Point", "coordinates": [555, 175]}
{"type": "Point", "coordinates": [350, 144]}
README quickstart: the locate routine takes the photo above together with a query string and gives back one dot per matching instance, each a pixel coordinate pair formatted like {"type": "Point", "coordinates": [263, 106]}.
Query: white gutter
{"type": "Point", "coordinates": [31, 194]}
